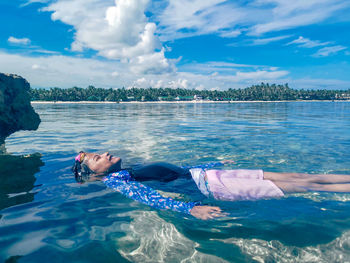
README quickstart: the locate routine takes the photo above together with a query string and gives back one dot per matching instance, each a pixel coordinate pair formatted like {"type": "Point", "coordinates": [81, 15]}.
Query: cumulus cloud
{"type": "Point", "coordinates": [66, 72]}
{"type": "Point", "coordinates": [37, 67]}
{"type": "Point", "coordinates": [118, 30]}
{"type": "Point", "coordinates": [19, 41]}
{"type": "Point", "coordinates": [204, 76]}
{"type": "Point", "coordinates": [327, 51]}
{"type": "Point", "coordinates": [131, 41]}
{"type": "Point", "coordinates": [154, 63]}
{"type": "Point", "coordinates": [62, 71]}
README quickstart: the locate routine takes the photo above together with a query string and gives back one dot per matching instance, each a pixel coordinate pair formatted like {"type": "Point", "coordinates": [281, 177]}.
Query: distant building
{"type": "Point", "coordinates": [343, 96]}
{"type": "Point", "coordinates": [196, 97]}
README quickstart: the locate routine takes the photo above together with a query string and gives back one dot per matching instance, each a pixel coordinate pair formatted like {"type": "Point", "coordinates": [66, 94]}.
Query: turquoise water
{"type": "Point", "coordinates": [47, 217]}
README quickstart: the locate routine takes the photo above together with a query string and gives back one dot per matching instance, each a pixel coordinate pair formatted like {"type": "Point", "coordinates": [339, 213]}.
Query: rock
{"type": "Point", "coordinates": [17, 176]}
{"type": "Point", "coordinates": [16, 113]}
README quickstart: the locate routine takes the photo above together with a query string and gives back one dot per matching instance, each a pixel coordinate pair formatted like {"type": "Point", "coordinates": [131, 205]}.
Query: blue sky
{"type": "Point", "coordinates": [201, 44]}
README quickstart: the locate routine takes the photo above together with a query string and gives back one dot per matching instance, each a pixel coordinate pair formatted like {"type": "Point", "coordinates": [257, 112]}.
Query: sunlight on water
{"type": "Point", "coordinates": [275, 251]}
{"type": "Point", "coordinates": [46, 216]}
{"type": "Point", "coordinates": [151, 239]}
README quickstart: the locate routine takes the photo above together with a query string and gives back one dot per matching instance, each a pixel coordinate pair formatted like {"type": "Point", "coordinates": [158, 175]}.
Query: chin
{"type": "Point", "coordinates": [115, 167]}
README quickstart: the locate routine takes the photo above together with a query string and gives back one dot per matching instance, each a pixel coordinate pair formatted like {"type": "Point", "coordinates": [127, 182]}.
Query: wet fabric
{"type": "Point", "coordinates": [124, 182]}
{"type": "Point", "coordinates": [161, 171]}
{"type": "Point", "coordinates": [232, 185]}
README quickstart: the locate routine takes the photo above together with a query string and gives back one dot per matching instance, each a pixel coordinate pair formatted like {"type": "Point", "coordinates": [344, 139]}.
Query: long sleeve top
{"type": "Point", "coordinates": [124, 183]}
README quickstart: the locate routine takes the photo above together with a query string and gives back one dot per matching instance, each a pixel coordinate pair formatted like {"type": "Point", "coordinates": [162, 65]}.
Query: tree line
{"type": "Point", "coordinates": [261, 92]}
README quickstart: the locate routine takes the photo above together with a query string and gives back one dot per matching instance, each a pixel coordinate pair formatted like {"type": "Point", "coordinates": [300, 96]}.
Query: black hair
{"type": "Point", "coordinates": [81, 171]}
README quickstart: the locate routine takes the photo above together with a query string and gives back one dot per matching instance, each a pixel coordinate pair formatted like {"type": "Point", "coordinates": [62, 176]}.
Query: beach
{"type": "Point", "coordinates": [178, 102]}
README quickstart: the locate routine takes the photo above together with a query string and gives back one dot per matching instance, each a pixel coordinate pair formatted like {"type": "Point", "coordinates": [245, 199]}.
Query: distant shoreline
{"type": "Point", "coordinates": [178, 102]}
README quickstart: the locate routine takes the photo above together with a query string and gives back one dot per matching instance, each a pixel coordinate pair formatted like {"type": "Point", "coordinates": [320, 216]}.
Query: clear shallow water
{"type": "Point", "coordinates": [46, 216]}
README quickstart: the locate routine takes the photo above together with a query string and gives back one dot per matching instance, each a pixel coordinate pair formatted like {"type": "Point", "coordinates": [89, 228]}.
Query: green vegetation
{"type": "Point", "coordinates": [262, 92]}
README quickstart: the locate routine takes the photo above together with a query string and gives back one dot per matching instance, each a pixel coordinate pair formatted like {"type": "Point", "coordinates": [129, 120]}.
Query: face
{"type": "Point", "coordinates": [102, 163]}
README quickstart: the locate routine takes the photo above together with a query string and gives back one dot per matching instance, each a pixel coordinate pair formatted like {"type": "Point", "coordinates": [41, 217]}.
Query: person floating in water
{"type": "Point", "coordinates": [227, 185]}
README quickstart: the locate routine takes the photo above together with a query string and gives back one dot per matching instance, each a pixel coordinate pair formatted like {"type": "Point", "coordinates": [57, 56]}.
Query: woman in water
{"type": "Point", "coordinates": [227, 185]}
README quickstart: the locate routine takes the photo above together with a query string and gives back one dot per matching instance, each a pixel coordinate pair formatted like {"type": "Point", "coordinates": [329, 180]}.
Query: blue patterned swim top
{"type": "Point", "coordinates": [123, 183]}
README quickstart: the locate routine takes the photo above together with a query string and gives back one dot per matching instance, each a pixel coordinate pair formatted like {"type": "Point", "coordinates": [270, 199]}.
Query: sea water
{"type": "Point", "coordinates": [47, 217]}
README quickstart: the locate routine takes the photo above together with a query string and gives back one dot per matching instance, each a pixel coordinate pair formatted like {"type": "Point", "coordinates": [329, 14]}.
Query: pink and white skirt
{"type": "Point", "coordinates": [231, 185]}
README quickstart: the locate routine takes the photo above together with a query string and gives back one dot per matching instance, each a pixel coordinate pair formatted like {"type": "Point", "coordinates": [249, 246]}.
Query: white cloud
{"type": "Point", "coordinates": [307, 43]}
{"type": "Point", "coordinates": [19, 41]}
{"type": "Point", "coordinates": [323, 52]}
{"type": "Point", "coordinates": [264, 41]}
{"type": "Point", "coordinates": [230, 34]}
{"type": "Point", "coordinates": [65, 72]}
{"type": "Point", "coordinates": [326, 51]}
{"type": "Point", "coordinates": [216, 67]}
{"type": "Point", "coordinates": [34, 1]}
{"type": "Point", "coordinates": [291, 14]}
{"type": "Point", "coordinates": [179, 83]}
{"type": "Point", "coordinates": [37, 67]}
{"type": "Point", "coordinates": [183, 18]}
{"type": "Point", "coordinates": [25, 45]}
{"type": "Point", "coordinates": [261, 74]}
{"type": "Point", "coordinates": [118, 30]}
{"type": "Point", "coordinates": [154, 63]}
{"type": "Point", "coordinates": [115, 74]}
{"type": "Point", "coordinates": [140, 81]}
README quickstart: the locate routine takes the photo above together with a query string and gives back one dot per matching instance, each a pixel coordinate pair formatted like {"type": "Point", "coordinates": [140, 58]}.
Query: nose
{"type": "Point", "coordinates": [106, 154]}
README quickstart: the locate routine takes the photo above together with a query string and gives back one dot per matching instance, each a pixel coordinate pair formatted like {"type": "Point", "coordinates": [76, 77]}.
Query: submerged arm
{"type": "Point", "coordinates": [147, 195]}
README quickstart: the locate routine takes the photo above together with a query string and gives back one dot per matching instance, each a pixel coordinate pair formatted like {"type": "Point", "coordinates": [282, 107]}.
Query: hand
{"type": "Point", "coordinates": [227, 161]}
{"type": "Point", "coordinates": [207, 212]}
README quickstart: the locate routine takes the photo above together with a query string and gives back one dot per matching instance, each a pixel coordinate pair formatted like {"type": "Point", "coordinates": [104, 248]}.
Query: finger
{"type": "Point", "coordinates": [217, 215]}
{"type": "Point", "coordinates": [218, 209]}
{"type": "Point", "coordinates": [220, 214]}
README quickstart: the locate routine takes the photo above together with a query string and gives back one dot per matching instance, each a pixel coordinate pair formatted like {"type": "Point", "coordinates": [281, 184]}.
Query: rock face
{"type": "Point", "coordinates": [16, 113]}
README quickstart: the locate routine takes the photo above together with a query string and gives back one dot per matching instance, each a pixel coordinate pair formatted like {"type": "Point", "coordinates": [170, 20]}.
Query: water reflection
{"type": "Point", "coordinates": [79, 223]}
{"type": "Point", "coordinates": [17, 178]}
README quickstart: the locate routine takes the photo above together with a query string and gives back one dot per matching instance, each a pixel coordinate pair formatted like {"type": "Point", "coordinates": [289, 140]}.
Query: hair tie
{"type": "Point", "coordinates": [80, 157]}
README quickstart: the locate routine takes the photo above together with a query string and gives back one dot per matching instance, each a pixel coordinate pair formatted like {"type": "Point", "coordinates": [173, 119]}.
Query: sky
{"type": "Point", "coordinates": [192, 44]}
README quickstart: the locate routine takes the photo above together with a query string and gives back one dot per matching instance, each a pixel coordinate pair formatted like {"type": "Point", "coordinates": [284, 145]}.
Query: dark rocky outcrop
{"type": "Point", "coordinates": [16, 113]}
{"type": "Point", "coordinates": [17, 176]}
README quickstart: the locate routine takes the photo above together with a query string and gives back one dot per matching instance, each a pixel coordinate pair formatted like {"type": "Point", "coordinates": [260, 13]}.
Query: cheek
{"type": "Point", "coordinates": [98, 166]}
{"type": "Point", "coordinates": [104, 165]}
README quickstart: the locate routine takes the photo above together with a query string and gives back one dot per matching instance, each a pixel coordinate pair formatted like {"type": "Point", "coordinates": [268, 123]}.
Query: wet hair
{"type": "Point", "coordinates": [81, 170]}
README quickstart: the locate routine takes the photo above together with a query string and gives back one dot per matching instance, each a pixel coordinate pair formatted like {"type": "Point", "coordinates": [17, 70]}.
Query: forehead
{"type": "Point", "coordinates": [90, 156]}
